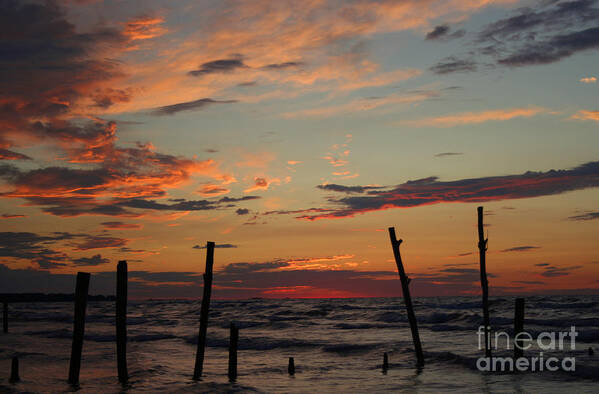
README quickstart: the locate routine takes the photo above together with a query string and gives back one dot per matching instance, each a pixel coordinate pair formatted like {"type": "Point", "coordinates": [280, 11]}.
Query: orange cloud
{"type": "Point", "coordinates": [144, 28]}
{"type": "Point", "coordinates": [211, 190]}
{"type": "Point", "coordinates": [586, 115]}
{"type": "Point", "coordinates": [588, 80]}
{"type": "Point", "coordinates": [475, 117]}
{"type": "Point", "coordinates": [261, 183]}
{"type": "Point", "coordinates": [361, 105]}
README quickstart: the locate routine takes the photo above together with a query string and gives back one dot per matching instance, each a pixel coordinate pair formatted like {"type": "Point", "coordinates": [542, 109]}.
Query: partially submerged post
{"type": "Point", "coordinates": [5, 317]}
{"type": "Point", "coordinates": [405, 282]}
{"type": "Point", "coordinates": [121, 321]}
{"type": "Point", "coordinates": [233, 339]}
{"type": "Point", "coordinates": [518, 328]}
{"type": "Point", "coordinates": [385, 362]}
{"type": "Point", "coordinates": [482, 249]}
{"type": "Point", "coordinates": [14, 370]}
{"type": "Point", "coordinates": [291, 367]}
{"type": "Point", "coordinates": [78, 325]}
{"type": "Point", "coordinates": [199, 365]}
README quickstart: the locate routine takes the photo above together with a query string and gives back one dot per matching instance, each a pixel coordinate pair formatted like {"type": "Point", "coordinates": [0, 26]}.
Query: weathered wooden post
{"type": "Point", "coordinates": [78, 326]}
{"type": "Point", "coordinates": [14, 370]}
{"type": "Point", "coordinates": [199, 365]}
{"type": "Point", "coordinates": [5, 317]}
{"type": "Point", "coordinates": [405, 282]}
{"type": "Point", "coordinates": [518, 328]}
{"type": "Point", "coordinates": [121, 321]}
{"type": "Point", "coordinates": [385, 362]}
{"type": "Point", "coordinates": [291, 367]}
{"type": "Point", "coordinates": [233, 339]}
{"type": "Point", "coordinates": [482, 249]}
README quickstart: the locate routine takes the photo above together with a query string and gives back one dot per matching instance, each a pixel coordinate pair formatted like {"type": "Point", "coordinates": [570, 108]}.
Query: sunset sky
{"type": "Point", "coordinates": [293, 134]}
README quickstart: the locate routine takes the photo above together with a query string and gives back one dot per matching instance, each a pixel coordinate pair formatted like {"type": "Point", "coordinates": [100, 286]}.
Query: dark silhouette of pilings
{"type": "Point", "coordinates": [79, 325]}
{"type": "Point", "coordinates": [121, 321]}
{"type": "Point", "coordinates": [518, 328]}
{"type": "Point", "coordinates": [385, 362]}
{"type": "Point", "coordinates": [291, 366]}
{"type": "Point", "coordinates": [405, 282]}
{"type": "Point", "coordinates": [199, 364]}
{"type": "Point", "coordinates": [5, 317]}
{"type": "Point", "coordinates": [482, 249]}
{"type": "Point", "coordinates": [14, 370]}
{"type": "Point", "coordinates": [233, 339]}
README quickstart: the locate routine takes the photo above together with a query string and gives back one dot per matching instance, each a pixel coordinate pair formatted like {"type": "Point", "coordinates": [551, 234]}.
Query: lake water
{"type": "Point", "coordinates": [338, 346]}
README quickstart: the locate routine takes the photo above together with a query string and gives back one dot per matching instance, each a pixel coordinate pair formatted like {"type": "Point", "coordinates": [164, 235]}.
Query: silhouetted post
{"type": "Point", "coordinates": [14, 370]}
{"type": "Point", "coordinates": [482, 249]}
{"type": "Point", "coordinates": [405, 282]}
{"type": "Point", "coordinates": [199, 365]}
{"type": "Point", "coordinates": [385, 362]}
{"type": "Point", "coordinates": [5, 317]}
{"type": "Point", "coordinates": [121, 321]}
{"type": "Point", "coordinates": [234, 337]}
{"type": "Point", "coordinates": [291, 367]}
{"type": "Point", "coordinates": [78, 326]}
{"type": "Point", "coordinates": [518, 328]}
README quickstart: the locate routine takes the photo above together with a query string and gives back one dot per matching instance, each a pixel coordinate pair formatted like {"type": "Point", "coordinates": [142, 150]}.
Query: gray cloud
{"type": "Point", "coordinates": [452, 65]}
{"type": "Point", "coordinates": [218, 66]}
{"type": "Point", "coordinates": [432, 191]}
{"type": "Point", "coordinates": [91, 261]}
{"type": "Point", "coordinates": [442, 32]}
{"type": "Point", "coordinates": [188, 106]}
{"type": "Point", "coordinates": [585, 216]}
{"type": "Point", "coordinates": [546, 33]}
{"type": "Point", "coordinates": [520, 249]}
{"type": "Point", "coordinates": [221, 246]}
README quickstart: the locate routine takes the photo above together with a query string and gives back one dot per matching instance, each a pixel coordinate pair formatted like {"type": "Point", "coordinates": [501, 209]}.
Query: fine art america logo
{"type": "Point", "coordinates": [522, 341]}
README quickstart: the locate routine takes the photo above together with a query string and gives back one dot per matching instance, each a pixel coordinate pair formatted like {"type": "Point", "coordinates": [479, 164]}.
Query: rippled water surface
{"type": "Point", "coordinates": [338, 346]}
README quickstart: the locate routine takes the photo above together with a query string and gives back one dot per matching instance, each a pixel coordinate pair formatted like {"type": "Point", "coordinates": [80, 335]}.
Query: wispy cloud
{"type": "Point", "coordinates": [465, 118]}
{"type": "Point", "coordinates": [447, 154]}
{"type": "Point", "coordinates": [585, 216]}
{"type": "Point", "coordinates": [586, 115]}
{"type": "Point", "coordinates": [588, 80]}
{"type": "Point", "coordinates": [525, 248]}
{"type": "Point", "coordinates": [220, 246]}
{"type": "Point", "coordinates": [218, 66]}
{"type": "Point", "coordinates": [189, 106]}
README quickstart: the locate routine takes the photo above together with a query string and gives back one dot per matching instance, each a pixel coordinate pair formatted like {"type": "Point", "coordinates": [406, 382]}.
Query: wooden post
{"type": "Point", "coordinates": [405, 282]}
{"type": "Point", "coordinates": [14, 370]}
{"type": "Point", "coordinates": [199, 365]}
{"type": "Point", "coordinates": [234, 337]}
{"type": "Point", "coordinates": [121, 321]}
{"type": "Point", "coordinates": [78, 326]}
{"type": "Point", "coordinates": [5, 317]}
{"type": "Point", "coordinates": [482, 249]}
{"type": "Point", "coordinates": [291, 367]}
{"type": "Point", "coordinates": [385, 362]}
{"type": "Point", "coordinates": [518, 328]}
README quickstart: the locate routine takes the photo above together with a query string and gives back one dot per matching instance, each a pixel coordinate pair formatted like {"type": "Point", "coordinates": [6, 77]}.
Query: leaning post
{"type": "Point", "coordinates": [81, 289]}
{"type": "Point", "coordinates": [121, 321]}
{"type": "Point", "coordinates": [233, 340]}
{"type": "Point", "coordinates": [199, 365]}
{"type": "Point", "coordinates": [518, 328]}
{"type": "Point", "coordinates": [405, 282]}
{"type": "Point", "coordinates": [482, 249]}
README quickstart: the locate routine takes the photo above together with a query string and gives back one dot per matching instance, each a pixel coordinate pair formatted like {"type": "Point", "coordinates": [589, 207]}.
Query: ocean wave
{"type": "Point", "coordinates": [344, 349]}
